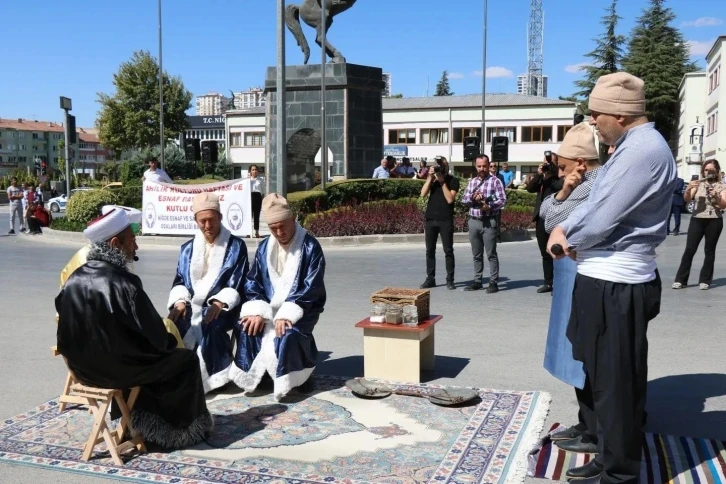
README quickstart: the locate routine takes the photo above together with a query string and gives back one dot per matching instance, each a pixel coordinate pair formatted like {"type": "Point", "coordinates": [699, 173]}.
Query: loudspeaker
{"type": "Point", "coordinates": [210, 152]}
{"type": "Point", "coordinates": [500, 149]}
{"type": "Point", "coordinates": [192, 151]}
{"type": "Point", "coordinates": [472, 147]}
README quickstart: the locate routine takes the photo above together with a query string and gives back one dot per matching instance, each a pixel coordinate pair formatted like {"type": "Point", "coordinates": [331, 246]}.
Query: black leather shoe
{"type": "Point", "coordinates": [589, 480]}
{"type": "Point", "coordinates": [591, 469]}
{"type": "Point", "coordinates": [450, 286]}
{"type": "Point", "coordinates": [428, 284]}
{"type": "Point", "coordinates": [307, 387]}
{"type": "Point", "coordinates": [577, 445]}
{"type": "Point", "coordinates": [493, 287]}
{"type": "Point", "coordinates": [543, 289]}
{"type": "Point", "coordinates": [474, 286]}
{"type": "Point", "coordinates": [567, 434]}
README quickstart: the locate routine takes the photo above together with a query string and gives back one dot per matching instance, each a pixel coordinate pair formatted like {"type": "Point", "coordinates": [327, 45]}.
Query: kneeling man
{"type": "Point", "coordinates": [112, 337]}
{"type": "Point", "coordinates": [286, 293]}
{"type": "Point", "coordinates": [205, 296]}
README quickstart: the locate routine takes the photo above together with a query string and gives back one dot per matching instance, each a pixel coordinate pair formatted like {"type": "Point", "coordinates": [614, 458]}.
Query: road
{"type": "Point", "coordinates": [494, 341]}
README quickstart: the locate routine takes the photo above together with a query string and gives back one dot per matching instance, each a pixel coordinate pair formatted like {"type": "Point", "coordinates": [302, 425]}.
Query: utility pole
{"type": "Point", "coordinates": [67, 105]}
{"type": "Point", "coordinates": [323, 144]}
{"type": "Point", "coordinates": [162, 144]}
{"type": "Point", "coordinates": [281, 131]}
{"type": "Point", "coordinates": [484, 84]}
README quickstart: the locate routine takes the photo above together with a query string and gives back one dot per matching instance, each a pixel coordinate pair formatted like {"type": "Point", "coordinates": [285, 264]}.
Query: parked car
{"type": "Point", "coordinates": [58, 204]}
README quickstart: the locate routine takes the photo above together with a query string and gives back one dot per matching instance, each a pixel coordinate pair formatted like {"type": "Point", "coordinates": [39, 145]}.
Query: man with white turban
{"type": "Point", "coordinates": [112, 337]}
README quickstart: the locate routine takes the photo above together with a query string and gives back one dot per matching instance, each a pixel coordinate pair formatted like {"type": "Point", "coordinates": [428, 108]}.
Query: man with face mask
{"type": "Point", "coordinates": [112, 337]}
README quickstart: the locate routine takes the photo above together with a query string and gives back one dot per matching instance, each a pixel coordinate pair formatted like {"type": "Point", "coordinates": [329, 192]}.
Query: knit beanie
{"type": "Point", "coordinates": [579, 142]}
{"type": "Point", "coordinates": [275, 209]}
{"type": "Point", "coordinates": [619, 94]}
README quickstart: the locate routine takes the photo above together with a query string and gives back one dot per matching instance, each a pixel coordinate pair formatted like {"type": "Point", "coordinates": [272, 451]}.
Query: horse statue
{"type": "Point", "coordinates": [310, 12]}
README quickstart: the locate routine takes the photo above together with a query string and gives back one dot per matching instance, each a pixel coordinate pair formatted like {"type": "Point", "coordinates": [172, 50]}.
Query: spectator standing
{"type": "Point", "coordinates": [257, 186]}
{"type": "Point", "coordinates": [544, 183]}
{"type": "Point", "coordinates": [441, 189]}
{"type": "Point", "coordinates": [155, 174]}
{"type": "Point", "coordinates": [485, 197]}
{"type": "Point", "coordinates": [15, 198]}
{"type": "Point", "coordinates": [677, 206]}
{"type": "Point", "coordinates": [382, 171]}
{"type": "Point", "coordinates": [507, 176]}
{"type": "Point", "coordinates": [706, 222]}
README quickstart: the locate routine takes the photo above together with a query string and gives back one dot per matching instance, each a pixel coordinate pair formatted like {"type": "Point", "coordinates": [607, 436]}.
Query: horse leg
{"type": "Point", "coordinates": [333, 53]}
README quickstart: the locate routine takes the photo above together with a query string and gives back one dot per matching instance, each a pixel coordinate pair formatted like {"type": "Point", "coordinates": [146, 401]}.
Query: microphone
{"type": "Point", "coordinates": [136, 258]}
{"type": "Point", "coordinates": [556, 249]}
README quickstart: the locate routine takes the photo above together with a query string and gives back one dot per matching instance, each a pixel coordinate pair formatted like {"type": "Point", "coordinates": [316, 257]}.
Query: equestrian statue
{"type": "Point", "coordinates": [309, 11]}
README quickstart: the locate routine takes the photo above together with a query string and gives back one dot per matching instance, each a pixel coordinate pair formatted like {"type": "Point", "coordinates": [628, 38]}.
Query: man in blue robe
{"type": "Point", "coordinates": [285, 293]}
{"type": "Point", "coordinates": [207, 293]}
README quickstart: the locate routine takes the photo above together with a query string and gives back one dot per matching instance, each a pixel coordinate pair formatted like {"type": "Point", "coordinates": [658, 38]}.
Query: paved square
{"type": "Point", "coordinates": [494, 341]}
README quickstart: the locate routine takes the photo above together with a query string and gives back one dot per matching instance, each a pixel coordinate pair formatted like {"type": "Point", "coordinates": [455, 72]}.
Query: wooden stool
{"type": "Point", "coordinates": [65, 396]}
{"type": "Point", "coordinates": [99, 402]}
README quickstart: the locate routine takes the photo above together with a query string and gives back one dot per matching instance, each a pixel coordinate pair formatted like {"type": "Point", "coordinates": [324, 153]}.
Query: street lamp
{"type": "Point", "coordinates": [484, 81]}
{"type": "Point", "coordinates": [161, 99]}
{"type": "Point", "coordinates": [66, 105]}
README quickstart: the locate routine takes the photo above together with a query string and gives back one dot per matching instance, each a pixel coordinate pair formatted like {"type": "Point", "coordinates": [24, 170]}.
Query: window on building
{"type": "Point", "coordinates": [85, 146]}
{"type": "Point", "coordinates": [402, 136]}
{"type": "Point", "coordinates": [55, 160]}
{"type": "Point", "coordinates": [21, 134]}
{"type": "Point", "coordinates": [255, 139]}
{"type": "Point", "coordinates": [434, 136]}
{"type": "Point", "coordinates": [35, 135]}
{"type": "Point", "coordinates": [527, 169]}
{"type": "Point", "coordinates": [22, 147]}
{"type": "Point", "coordinates": [536, 134]}
{"type": "Point", "coordinates": [461, 133]}
{"type": "Point", "coordinates": [562, 131]}
{"type": "Point", "coordinates": [508, 131]}
{"type": "Point", "coordinates": [12, 159]}
{"type": "Point", "coordinates": [235, 139]}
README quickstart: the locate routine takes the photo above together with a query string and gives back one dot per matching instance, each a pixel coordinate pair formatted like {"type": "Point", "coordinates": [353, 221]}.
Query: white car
{"type": "Point", "coordinates": [58, 204]}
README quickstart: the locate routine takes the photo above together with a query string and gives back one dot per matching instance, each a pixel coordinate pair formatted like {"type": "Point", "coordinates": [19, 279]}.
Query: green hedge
{"type": "Point", "coordinates": [84, 206]}
{"type": "Point", "coordinates": [62, 223]}
{"type": "Point", "coordinates": [129, 196]}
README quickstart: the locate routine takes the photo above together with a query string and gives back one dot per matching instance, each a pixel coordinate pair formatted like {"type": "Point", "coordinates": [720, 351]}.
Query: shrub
{"type": "Point", "coordinates": [345, 192]}
{"type": "Point", "coordinates": [84, 206]}
{"type": "Point", "coordinates": [129, 196]}
{"type": "Point", "coordinates": [62, 223]}
{"type": "Point", "coordinates": [521, 198]}
{"type": "Point", "coordinates": [303, 204]}
{"type": "Point", "coordinates": [382, 217]}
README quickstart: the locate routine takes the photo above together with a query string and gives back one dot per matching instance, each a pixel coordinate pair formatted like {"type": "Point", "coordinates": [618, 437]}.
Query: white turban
{"type": "Point", "coordinates": [134, 215]}
{"type": "Point", "coordinates": [106, 227]}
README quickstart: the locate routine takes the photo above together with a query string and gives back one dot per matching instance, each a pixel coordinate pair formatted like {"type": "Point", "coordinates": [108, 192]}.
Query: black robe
{"type": "Point", "coordinates": [112, 337]}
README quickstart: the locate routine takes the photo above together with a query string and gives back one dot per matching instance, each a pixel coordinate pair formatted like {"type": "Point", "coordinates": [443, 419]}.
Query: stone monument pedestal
{"type": "Point", "coordinates": [354, 121]}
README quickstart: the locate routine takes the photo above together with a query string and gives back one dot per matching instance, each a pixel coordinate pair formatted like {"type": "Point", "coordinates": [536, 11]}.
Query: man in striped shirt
{"type": "Point", "coordinates": [485, 197]}
{"type": "Point", "coordinates": [613, 237]}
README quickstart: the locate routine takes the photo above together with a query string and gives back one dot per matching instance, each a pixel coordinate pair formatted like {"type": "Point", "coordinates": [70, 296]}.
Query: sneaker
{"type": "Point", "coordinates": [676, 234]}
{"type": "Point", "coordinates": [450, 286]}
{"type": "Point", "coordinates": [12, 232]}
{"type": "Point", "coordinates": [493, 288]}
{"type": "Point", "coordinates": [474, 286]}
{"type": "Point", "coordinates": [703, 286]}
{"type": "Point", "coordinates": [677, 285]}
{"type": "Point", "coordinates": [428, 284]}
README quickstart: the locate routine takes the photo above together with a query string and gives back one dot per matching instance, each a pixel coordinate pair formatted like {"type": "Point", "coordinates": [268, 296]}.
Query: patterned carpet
{"type": "Point", "coordinates": [666, 459]}
{"type": "Point", "coordinates": [330, 436]}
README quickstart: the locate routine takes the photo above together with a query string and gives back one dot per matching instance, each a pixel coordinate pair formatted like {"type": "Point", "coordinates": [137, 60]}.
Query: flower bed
{"type": "Point", "coordinates": [393, 217]}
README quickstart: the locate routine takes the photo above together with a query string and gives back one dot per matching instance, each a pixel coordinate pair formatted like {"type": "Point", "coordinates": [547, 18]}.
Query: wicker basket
{"type": "Point", "coordinates": [395, 295]}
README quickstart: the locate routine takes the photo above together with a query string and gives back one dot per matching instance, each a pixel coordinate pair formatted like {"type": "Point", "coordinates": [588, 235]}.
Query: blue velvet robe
{"type": "Point", "coordinates": [558, 358]}
{"type": "Point", "coordinates": [227, 268]}
{"type": "Point", "coordinates": [298, 295]}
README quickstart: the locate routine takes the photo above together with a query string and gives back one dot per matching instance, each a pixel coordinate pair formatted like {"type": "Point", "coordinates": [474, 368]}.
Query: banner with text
{"type": "Point", "coordinates": [168, 207]}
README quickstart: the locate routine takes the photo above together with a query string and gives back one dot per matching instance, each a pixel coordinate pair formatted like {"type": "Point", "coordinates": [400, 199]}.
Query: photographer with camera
{"type": "Point", "coordinates": [706, 222]}
{"type": "Point", "coordinates": [485, 197]}
{"type": "Point", "coordinates": [441, 189]}
{"type": "Point", "coordinates": [545, 183]}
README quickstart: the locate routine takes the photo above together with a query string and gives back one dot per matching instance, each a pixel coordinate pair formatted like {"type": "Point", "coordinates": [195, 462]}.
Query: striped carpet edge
{"type": "Point", "coordinates": [666, 459]}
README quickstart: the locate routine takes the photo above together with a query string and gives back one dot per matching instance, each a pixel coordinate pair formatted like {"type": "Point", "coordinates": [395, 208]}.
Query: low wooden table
{"type": "Point", "coordinates": [397, 352]}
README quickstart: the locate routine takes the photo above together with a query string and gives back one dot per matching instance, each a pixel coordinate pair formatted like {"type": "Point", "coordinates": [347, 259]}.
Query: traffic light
{"type": "Point", "coordinates": [72, 129]}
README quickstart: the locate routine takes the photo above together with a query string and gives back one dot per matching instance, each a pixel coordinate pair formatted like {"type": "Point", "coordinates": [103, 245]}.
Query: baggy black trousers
{"type": "Point", "coordinates": [607, 328]}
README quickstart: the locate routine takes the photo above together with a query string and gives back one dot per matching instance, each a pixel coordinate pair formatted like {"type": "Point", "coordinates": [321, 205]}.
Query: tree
{"type": "Point", "coordinates": [442, 88]}
{"type": "Point", "coordinates": [606, 57]}
{"type": "Point", "coordinates": [659, 56]}
{"type": "Point", "coordinates": [129, 118]}
{"type": "Point", "coordinates": [396, 96]}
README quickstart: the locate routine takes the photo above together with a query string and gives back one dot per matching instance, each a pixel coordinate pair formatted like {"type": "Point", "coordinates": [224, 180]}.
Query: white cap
{"type": "Point", "coordinates": [135, 215]}
{"type": "Point", "coordinates": [106, 227]}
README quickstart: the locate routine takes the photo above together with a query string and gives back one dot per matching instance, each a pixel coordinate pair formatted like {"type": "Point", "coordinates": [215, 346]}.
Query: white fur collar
{"type": "Point", "coordinates": [282, 283]}
{"type": "Point", "coordinates": [202, 286]}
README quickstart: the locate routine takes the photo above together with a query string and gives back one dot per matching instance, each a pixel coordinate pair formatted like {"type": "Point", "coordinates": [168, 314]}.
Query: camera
{"type": "Point", "coordinates": [438, 167]}
{"type": "Point", "coordinates": [546, 167]}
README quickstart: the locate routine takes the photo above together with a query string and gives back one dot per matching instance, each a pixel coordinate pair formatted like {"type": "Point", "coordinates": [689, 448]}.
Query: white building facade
{"type": "Point", "coordinates": [423, 128]}
{"type": "Point", "coordinates": [211, 104]}
{"type": "Point", "coordinates": [714, 144]}
{"type": "Point", "coordinates": [692, 95]}
{"type": "Point", "coordinates": [251, 98]}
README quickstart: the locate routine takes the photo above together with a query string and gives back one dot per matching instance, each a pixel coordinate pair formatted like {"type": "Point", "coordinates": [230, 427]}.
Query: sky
{"type": "Point", "coordinates": [73, 48]}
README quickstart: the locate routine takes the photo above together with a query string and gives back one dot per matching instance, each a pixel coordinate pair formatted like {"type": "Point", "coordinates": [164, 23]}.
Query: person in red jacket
{"type": "Point", "coordinates": [38, 217]}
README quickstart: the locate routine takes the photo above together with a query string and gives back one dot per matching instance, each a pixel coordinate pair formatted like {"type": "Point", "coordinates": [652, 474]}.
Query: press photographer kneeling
{"type": "Point", "coordinates": [441, 189]}
{"type": "Point", "coordinates": [545, 183]}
